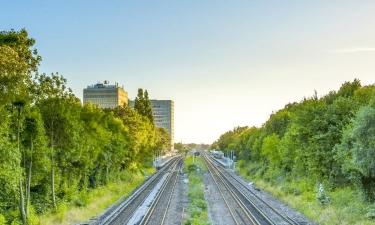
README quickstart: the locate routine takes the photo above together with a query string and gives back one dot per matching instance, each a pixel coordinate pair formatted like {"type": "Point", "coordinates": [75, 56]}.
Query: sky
{"type": "Point", "coordinates": [224, 63]}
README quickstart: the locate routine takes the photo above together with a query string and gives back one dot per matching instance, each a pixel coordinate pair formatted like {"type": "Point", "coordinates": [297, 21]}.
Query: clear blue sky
{"type": "Point", "coordinates": [224, 63]}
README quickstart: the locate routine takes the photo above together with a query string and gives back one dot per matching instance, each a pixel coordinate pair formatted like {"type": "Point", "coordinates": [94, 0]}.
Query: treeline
{"type": "Point", "coordinates": [184, 148]}
{"type": "Point", "coordinates": [51, 147]}
{"type": "Point", "coordinates": [329, 140]}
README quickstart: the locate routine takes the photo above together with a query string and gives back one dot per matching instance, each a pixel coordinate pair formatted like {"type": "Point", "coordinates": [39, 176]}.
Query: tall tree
{"type": "Point", "coordinates": [55, 101]}
{"type": "Point", "coordinates": [51, 147]}
{"type": "Point", "coordinates": [17, 60]}
{"type": "Point", "coordinates": [10, 169]}
{"type": "Point", "coordinates": [362, 147]}
{"type": "Point", "coordinates": [35, 159]}
{"type": "Point", "coordinates": [139, 103]}
{"type": "Point", "coordinates": [142, 105]}
{"type": "Point", "coordinates": [148, 107]}
{"type": "Point", "coordinates": [19, 105]}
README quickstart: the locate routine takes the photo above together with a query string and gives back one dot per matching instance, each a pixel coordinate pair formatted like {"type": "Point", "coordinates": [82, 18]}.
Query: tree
{"type": "Point", "coordinates": [35, 158]}
{"type": "Point", "coordinates": [278, 123]}
{"type": "Point", "coordinates": [163, 140]}
{"type": "Point", "coordinates": [19, 105]}
{"type": "Point", "coordinates": [142, 105]}
{"type": "Point", "coordinates": [328, 139]}
{"type": "Point", "coordinates": [22, 44]}
{"type": "Point", "coordinates": [13, 73]}
{"type": "Point", "coordinates": [10, 170]}
{"type": "Point", "coordinates": [59, 110]}
{"type": "Point", "coordinates": [148, 107]}
{"type": "Point", "coordinates": [52, 148]}
{"type": "Point", "coordinates": [139, 102]}
{"type": "Point", "coordinates": [363, 149]}
{"type": "Point", "coordinates": [17, 61]}
{"type": "Point", "coordinates": [270, 149]}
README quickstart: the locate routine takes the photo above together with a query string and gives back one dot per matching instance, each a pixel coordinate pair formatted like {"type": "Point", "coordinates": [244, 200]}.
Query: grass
{"type": "Point", "coordinates": [197, 204]}
{"type": "Point", "coordinates": [96, 201]}
{"type": "Point", "coordinates": [345, 208]}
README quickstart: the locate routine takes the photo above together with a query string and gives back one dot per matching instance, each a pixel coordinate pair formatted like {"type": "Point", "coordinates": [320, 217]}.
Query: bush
{"type": "Point", "coordinates": [61, 210]}
{"type": "Point", "coordinates": [192, 168]}
{"type": "Point", "coordinates": [322, 195]}
{"type": "Point", "coordinates": [2, 220]}
{"type": "Point", "coordinates": [371, 212]}
{"type": "Point", "coordinates": [33, 218]}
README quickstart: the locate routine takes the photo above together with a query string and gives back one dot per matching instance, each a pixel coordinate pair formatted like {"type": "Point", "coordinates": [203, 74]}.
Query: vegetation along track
{"type": "Point", "coordinates": [251, 209]}
{"type": "Point", "coordinates": [158, 211]}
{"type": "Point", "coordinates": [123, 212]}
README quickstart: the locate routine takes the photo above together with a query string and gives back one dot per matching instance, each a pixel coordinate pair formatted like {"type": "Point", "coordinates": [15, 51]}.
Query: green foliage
{"type": "Point", "coordinates": [358, 146]}
{"type": "Point", "coordinates": [197, 203]}
{"type": "Point", "coordinates": [322, 196]}
{"type": "Point", "coordinates": [2, 220]}
{"type": "Point", "coordinates": [21, 43]}
{"type": "Point", "coordinates": [179, 146]}
{"type": "Point", "coordinates": [163, 141]}
{"type": "Point", "coordinates": [329, 140]}
{"type": "Point", "coordinates": [65, 150]}
{"type": "Point", "coordinates": [9, 166]}
{"type": "Point", "coordinates": [371, 212]}
{"type": "Point", "coordinates": [345, 206]}
{"type": "Point", "coordinates": [142, 105]}
{"type": "Point", "coordinates": [270, 149]}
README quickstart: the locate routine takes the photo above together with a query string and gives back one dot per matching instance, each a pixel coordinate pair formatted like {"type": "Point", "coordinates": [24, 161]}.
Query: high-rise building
{"type": "Point", "coordinates": [105, 95]}
{"type": "Point", "coordinates": [163, 112]}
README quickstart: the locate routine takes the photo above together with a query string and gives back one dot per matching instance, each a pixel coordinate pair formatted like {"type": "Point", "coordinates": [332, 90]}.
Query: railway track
{"type": "Point", "coordinates": [158, 211]}
{"type": "Point", "coordinates": [250, 208]}
{"type": "Point", "coordinates": [122, 213]}
{"type": "Point", "coordinates": [239, 212]}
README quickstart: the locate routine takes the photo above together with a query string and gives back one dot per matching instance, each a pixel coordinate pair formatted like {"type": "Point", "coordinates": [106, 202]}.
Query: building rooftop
{"type": "Point", "coordinates": [105, 84]}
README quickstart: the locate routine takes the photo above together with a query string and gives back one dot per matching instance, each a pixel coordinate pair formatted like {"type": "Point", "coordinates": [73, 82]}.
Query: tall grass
{"type": "Point", "coordinates": [346, 206]}
{"type": "Point", "coordinates": [89, 204]}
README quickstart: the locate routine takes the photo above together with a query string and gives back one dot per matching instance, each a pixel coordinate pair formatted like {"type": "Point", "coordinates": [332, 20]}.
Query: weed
{"type": "Point", "coordinates": [346, 205]}
{"type": "Point", "coordinates": [195, 169]}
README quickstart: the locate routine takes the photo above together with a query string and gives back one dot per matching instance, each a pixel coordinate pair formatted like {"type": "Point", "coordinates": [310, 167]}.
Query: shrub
{"type": "Point", "coordinates": [322, 196]}
{"type": "Point", "coordinates": [371, 212]}
{"type": "Point", "coordinates": [2, 220]}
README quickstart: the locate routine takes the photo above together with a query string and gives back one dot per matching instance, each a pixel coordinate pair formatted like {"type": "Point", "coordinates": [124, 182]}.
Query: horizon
{"type": "Point", "coordinates": [234, 127]}
{"type": "Point", "coordinates": [223, 65]}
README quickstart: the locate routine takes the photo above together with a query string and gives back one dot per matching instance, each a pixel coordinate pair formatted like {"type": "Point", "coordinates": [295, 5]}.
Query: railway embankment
{"type": "Point", "coordinates": [345, 206]}
{"type": "Point", "coordinates": [95, 201]}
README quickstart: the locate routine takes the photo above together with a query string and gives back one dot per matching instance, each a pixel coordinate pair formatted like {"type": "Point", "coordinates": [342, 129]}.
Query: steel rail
{"type": "Point", "coordinates": [242, 195]}
{"type": "Point", "coordinates": [285, 217]}
{"type": "Point", "coordinates": [171, 195]}
{"type": "Point", "coordinates": [249, 215]}
{"type": "Point", "coordinates": [225, 200]}
{"type": "Point", "coordinates": [137, 195]}
{"type": "Point", "coordinates": [172, 177]}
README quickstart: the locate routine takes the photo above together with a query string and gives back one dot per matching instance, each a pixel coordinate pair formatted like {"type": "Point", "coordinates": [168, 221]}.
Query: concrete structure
{"type": "Point", "coordinates": [105, 95]}
{"type": "Point", "coordinates": [163, 112]}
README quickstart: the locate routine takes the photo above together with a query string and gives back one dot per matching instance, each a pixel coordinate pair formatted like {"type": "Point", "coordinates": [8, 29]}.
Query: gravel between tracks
{"type": "Point", "coordinates": [217, 210]}
{"type": "Point", "coordinates": [179, 203]}
{"type": "Point", "coordinates": [277, 204]}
